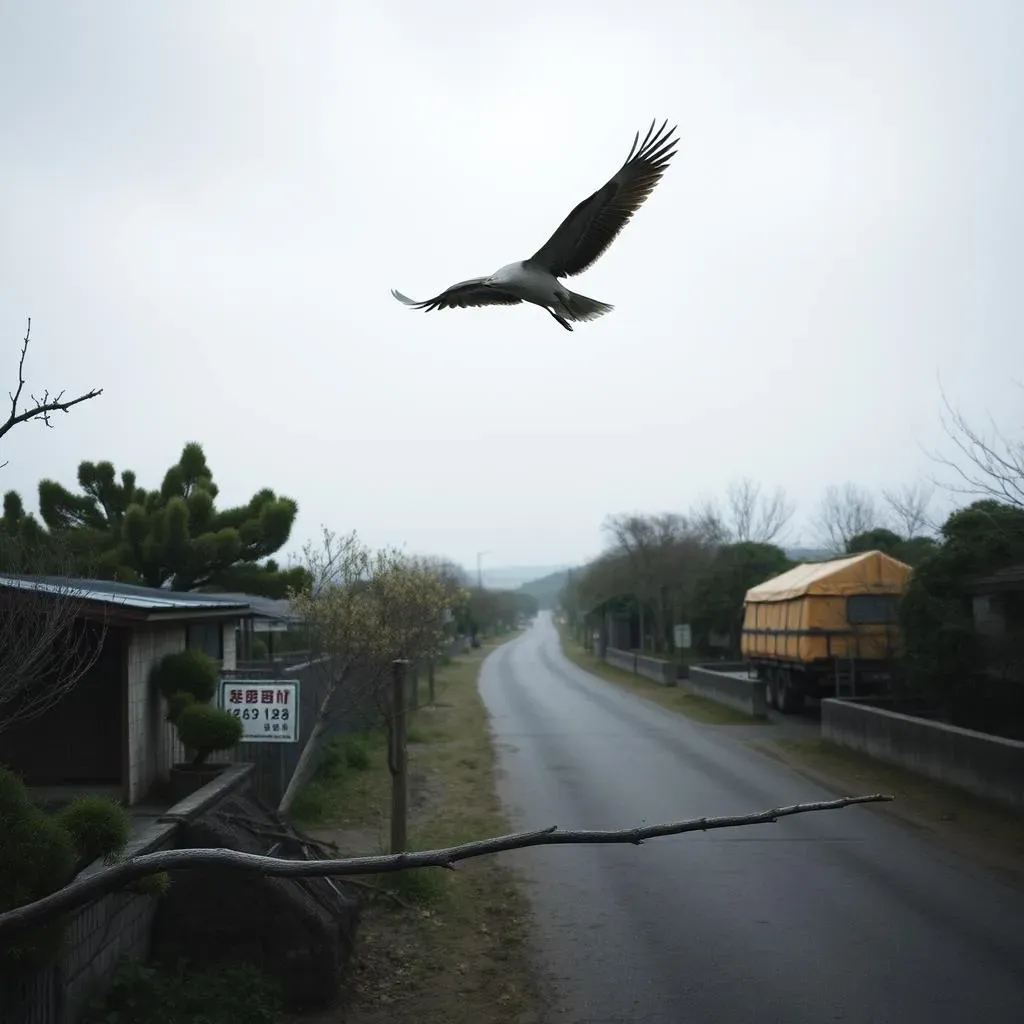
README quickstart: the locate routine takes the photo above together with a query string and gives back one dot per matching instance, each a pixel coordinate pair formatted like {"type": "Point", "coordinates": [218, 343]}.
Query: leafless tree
{"type": "Point", "coordinates": [991, 465]}
{"type": "Point", "coordinates": [365, 611]}
{"type": "Point", "coordinates": [909, 509]}
{"type": "Point", "coordinates": [46, 641]}
{"type": "Point", "coordinates": [43, 407]}
{"type": "Point", "coordinates": [660, 558]}
{"type": "Point", "coordinates": [119, 875]}
{"type": "Point", "coordinates": [755, 515]}
{"type": "Point", "coordinates": [845, 512]}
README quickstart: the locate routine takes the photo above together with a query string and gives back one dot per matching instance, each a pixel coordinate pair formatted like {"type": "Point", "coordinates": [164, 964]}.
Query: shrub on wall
{"type": "Point", "coordinates": [98, 827]}
{"type": "Point", "coordinates": [40, 854]}
{"type": "Point", "coordinates": [188, 681]}
{"type": "Point", "coordinates": [206, 729]}
{"type": "Point", "coordinates": [191, 672]}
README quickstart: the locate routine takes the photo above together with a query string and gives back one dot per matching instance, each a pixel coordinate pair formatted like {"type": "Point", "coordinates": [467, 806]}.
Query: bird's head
{"type": "Point", "coordinates": [500, 277]}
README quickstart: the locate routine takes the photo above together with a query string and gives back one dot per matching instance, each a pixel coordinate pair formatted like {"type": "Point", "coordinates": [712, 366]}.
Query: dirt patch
{"type": "Point", "coordinates": [984, 832]}
{"type": "Point", "coordinates": [440, 947]}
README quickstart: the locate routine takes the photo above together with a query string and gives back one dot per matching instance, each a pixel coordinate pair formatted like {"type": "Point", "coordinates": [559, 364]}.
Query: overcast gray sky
{"type": "Point", "coordinates": [203, 206]}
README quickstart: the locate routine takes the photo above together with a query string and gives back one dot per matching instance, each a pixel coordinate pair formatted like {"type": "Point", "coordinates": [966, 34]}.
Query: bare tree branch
{"type": "Point", "coordinates": [755, 516]}
{"type": "Point", "coordinates": [110, 879]}
{"type": "Point", "coordinates": [364, 610]}
{"type": "Point", "coordinates": [846, 512]}
{"type": "Point", "coordinates": [908, 507]}
{"type": "Point", "coordinates": [46, 644]}
{"type": "Point", "coordinates": [995, 464]}
{"type": "Point", "coordinates": [41, 408]}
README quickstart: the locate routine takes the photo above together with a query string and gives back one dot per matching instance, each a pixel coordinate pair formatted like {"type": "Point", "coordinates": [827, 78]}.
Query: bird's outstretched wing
{"type": "Point", "coordinates": [585, 234]}
{"type": "Point", "coordinates": [461, 295]}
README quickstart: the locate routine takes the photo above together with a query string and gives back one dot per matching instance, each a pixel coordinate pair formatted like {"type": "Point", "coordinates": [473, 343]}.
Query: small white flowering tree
{"type": "Point", "coordinates": [368, 614]}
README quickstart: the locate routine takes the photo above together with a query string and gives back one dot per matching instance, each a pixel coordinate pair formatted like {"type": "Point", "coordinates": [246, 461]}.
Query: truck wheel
{"type": "Point", "coordinates": [771, 690]}
{"type": "Point", "coordinates": [791, 697]}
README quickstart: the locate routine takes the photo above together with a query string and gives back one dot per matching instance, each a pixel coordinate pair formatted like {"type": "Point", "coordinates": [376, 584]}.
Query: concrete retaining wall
{"type": "Point", "coordinates": [987, 766]}
{"type": "Point", "coordinates": [662, 672]}
{"type": "Point", "coordinates": [114, 928]}
{"type": "Point", "coordinates": [746, 695]}
{"type": "Point", "coordinates": [621, 659]}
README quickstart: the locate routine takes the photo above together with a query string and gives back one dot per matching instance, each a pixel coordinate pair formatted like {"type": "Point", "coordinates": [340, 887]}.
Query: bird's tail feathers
{"type": "Point", "coordinates": [580, 307]}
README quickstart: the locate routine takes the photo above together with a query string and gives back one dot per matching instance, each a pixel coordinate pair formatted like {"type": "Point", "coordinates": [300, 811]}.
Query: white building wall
{"type": "Point", "coordinates": [230, 660]}
{"type": "Point", "coordinates": [153, 745]}
{"type": "Point", "coordinates": [149, 734]}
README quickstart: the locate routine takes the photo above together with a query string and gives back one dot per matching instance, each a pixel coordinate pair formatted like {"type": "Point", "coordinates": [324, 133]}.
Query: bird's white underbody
{"type": "Point", "coordinates": [579, 240]}
{"type": "Point", "coordinates": [534, 284]}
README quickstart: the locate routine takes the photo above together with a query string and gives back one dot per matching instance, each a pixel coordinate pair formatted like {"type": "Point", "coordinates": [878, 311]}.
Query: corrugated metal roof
{"type": "Point", "coordinates": [835, 577]}
{"type": "Point", "coordinates": [1008, 578]}
{"type": "Point", "coordinates": [127, 595]}
{"type": "Point", "coordinates": [265, 607]}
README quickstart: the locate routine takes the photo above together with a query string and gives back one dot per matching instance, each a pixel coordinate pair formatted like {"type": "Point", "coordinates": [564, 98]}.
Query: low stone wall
{"type": "Point", "coordinates": [987, 766]}
{"type": "Point", "coordinates": [101, 935]}
{"type": "Point", "coordinates": [662, 672]}
{"type": "Point", "coordinates": [621, 659]}
{"type": "Point", "coordinates": [746, 695]}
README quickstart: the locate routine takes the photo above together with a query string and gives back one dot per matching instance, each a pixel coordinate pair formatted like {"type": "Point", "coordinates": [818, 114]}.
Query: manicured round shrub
{"type": "Point", "coordinates": [98, 827]}
{"type": "Point", "coordinates": [176, 703]}
{"type": "Point", "coordinates": [13, 798]}
{"type": "Point", "coordinates": [37, 857]}
{"type": "Point", "coordinates": [205, 729]}
{"type": "Point", "coordinates": [187, 672]}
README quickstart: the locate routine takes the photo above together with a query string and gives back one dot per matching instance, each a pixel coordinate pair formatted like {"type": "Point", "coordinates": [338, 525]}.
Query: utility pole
{"type": "Point", "coordinates": [479, 570]}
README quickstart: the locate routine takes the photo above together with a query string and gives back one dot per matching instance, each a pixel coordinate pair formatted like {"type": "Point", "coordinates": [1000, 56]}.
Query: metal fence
{"type": "Point", "coordinates": [355, 707]}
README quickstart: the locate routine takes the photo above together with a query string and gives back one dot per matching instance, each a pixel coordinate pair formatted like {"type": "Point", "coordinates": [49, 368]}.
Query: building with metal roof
{"type": "Point", "coordinates": [109, 731]}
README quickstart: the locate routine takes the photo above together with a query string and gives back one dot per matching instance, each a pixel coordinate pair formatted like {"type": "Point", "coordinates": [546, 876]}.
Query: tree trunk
{"type": "Point", "coordinates": [398, 760]}
{"type": "Point", "coordinates": [308, 751]}
{"type": "Point", "coordinates": [430, 679]}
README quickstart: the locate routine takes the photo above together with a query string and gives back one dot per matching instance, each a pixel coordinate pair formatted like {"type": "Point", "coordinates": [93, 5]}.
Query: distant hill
{"type": "Point", "coordinates": [512, 577]}
{"type": "Point", "coordinates": [545, 582]}
{"type": "Point", "coordinates": [807, 554]}
{"type": "Point", "coordinates": [547, 588]}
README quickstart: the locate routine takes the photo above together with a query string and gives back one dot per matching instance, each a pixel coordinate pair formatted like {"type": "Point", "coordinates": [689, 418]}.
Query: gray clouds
{"type": "Point", "coordinates": [205, 205]}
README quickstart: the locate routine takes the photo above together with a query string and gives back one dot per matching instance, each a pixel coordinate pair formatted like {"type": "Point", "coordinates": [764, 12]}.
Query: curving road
{"type": "Point", "coordinates": [836, 916]}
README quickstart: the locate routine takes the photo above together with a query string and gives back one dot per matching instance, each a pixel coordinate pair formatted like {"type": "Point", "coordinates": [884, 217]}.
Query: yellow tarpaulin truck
{"type": "Point", "coordinates": [825, 629]}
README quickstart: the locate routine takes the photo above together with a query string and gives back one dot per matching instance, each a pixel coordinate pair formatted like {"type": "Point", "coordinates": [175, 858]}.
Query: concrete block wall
{"type": "Point", "coordinates": [661, 671]}
{"type": "Point", "coordinates": [990, 767]}
{"type": "Point", "coordinates": [97, 939]}
{"type": "Point", "coordinates": [113, 929]}
{"type": "Point", "coordinates": [621, 659]}
{"type": "Point", "coordinates": [746, 695]}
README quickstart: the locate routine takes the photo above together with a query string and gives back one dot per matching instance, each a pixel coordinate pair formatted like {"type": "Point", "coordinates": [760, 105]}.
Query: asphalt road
{"type": "Point", "coordinates": [834, 916]}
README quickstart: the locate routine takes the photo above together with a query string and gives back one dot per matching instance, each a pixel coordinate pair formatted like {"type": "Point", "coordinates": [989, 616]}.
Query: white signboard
{"type": "Point", "coordinates": [683, 636]}
{"type": "Point", "coordinates": [268, 708]}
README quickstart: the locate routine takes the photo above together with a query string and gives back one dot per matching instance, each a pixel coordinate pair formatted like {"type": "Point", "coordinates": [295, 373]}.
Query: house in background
{"type": "Point", "coordinates": [109, 733]}
{"type": "Point", "coordinates": [997, 605]}
{"type": "Point", "coordinates": [272, 631]}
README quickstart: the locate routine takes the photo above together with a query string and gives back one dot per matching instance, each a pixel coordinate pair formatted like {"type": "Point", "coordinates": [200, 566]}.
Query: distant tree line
{"type": "Point", "coordinates": [696, 567]}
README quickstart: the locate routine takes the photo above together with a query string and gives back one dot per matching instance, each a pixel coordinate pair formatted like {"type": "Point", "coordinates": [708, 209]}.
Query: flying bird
{"type": "Point", "coordinates": [580, 239]}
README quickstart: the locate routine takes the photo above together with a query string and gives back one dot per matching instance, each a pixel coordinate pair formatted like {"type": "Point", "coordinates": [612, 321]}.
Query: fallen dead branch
{"type": "Point", "coordinates": [85, 890]}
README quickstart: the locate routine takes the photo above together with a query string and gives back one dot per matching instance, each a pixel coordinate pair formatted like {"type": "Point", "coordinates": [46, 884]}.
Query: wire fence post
{"type": "Point", "coordinates": [398, 759]}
